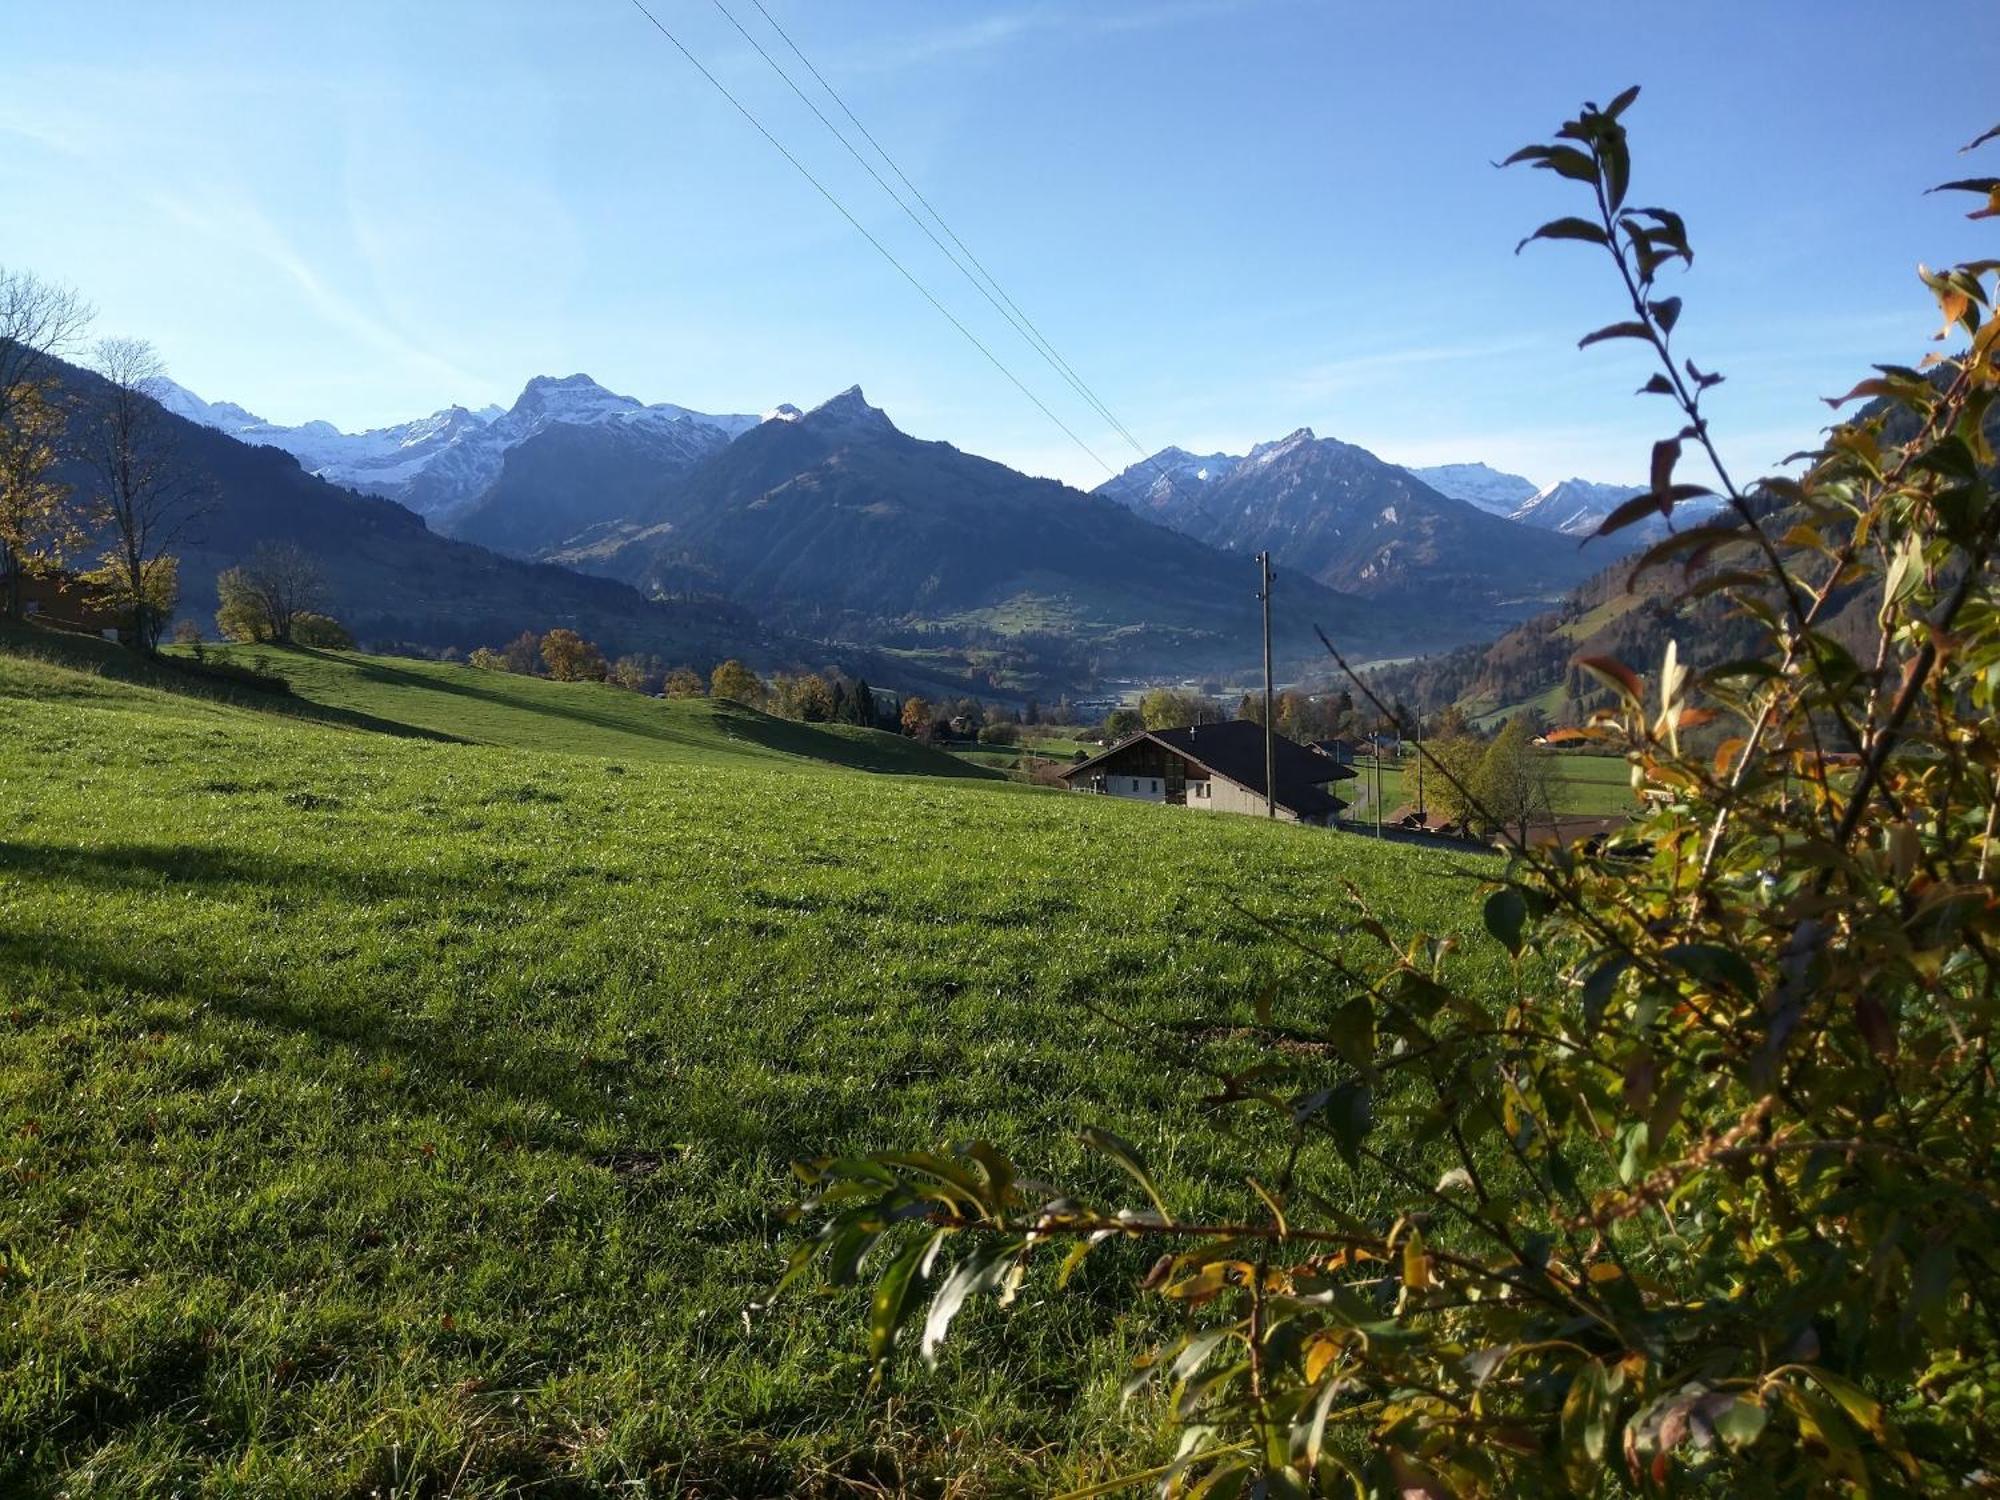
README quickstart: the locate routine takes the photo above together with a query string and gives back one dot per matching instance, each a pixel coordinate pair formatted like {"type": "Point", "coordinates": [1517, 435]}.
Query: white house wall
{"type": "Point", "coordinates": [1145, 788]}
{"type": "Point", "coordinates": [1229, 797]}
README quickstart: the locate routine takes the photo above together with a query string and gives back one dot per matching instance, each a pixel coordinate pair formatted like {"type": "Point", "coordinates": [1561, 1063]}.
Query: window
{"type": "Point", "coordinates": [1156, 784]}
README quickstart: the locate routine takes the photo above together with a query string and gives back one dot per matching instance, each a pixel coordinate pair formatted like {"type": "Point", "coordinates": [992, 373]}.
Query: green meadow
{"type": "Point", "coordinates": [399, 1078]}
{"type": "Point", "coordinates": [1597, 785]}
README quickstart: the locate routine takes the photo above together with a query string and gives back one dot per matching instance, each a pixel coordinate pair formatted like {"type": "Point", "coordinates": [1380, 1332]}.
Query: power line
{"type": "Point", "coordinates": [1002, 303]}
{"type": "Point", "coordinates": [862, 229]}
{"type": "Point", "coordinates": [1012, 312]}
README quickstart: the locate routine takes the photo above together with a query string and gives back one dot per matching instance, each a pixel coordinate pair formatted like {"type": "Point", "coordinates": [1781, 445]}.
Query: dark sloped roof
{"type": "Point", "coordinates": [1235, 751]}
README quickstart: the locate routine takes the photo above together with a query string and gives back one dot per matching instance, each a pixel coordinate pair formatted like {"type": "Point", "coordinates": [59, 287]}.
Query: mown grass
{"type": "Point", "coordinates": [398, 1116]}
{"type": "Point", "coordinates": [1594, 785]}
{"type": "Point", "coordinates": [531, 713]}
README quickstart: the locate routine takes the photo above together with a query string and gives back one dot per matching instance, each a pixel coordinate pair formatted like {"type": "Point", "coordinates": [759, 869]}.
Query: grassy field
{"type": "Point", "coordinates": [397, 1115]}
{"type": "Point", "coordinates": [1013, 759]}
{"type": "Point", "coordinates": [1598, 785]}
{"type": "Point", "coordinates": [528, 713]}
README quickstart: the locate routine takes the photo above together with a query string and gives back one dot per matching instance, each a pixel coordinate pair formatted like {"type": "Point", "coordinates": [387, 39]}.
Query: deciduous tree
{"type": "Point", "coordinates": [571, 658]}
{"type": "Point", "coordinates": [38, 525]}
{"type": "Point", "coordinates": [918, 718]}
{"type": "Point", "coordinates": [638, 674]}
{"type": "Point", "coordinates": [811, 699]}
{"type": "Point", "coordinates": [684, 682]}
{"type": "Point", "coordinates": [1513, 781]}
{"type": "Point", "coordinates": [143, 498]}
{"type": "Point", "coordinates": [737, 683]}
{"type": "Point", "coordinates": [523, 654]}
{"type": "Point", "coordinates": [38, 321]}
{"type": "Point", "coordinates": [286, 581]}
{"type": "Point", "coordinates": [325, 633]}
{"type": "Point", "coordinates": [1171, 708]}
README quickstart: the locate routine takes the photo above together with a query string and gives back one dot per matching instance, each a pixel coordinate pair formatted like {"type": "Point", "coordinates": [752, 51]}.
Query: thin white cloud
{"type": "Point", "coordinates": [237, 222]}
{"type": "Point", "coordinates": [994, 31]}
{"type": "Point", "coordinates": [1334, 376]}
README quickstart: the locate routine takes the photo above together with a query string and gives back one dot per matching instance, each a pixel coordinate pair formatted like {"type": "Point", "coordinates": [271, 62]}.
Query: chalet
{"type": "Point", "coordinates": [65, 602]}
{"type": "Point", "coordinates": [1214, 768]}
{"type": "Point", "coordinates": [1340, 752]}
{"type": "Point", "coordinates": [1555, 739]}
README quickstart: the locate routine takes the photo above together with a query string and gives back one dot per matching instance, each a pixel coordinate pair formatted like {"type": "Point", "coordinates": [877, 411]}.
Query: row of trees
{"type": "Point", "coordinates": [566, 656]}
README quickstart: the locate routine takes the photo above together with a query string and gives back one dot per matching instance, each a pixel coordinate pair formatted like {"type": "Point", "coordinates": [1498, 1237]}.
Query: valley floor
{"type": "Point", "coordinates": [391, 1114]}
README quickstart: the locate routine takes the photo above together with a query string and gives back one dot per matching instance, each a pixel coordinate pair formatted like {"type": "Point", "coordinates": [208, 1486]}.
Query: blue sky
{"type": "Point", "coordinates": [1233, 217]}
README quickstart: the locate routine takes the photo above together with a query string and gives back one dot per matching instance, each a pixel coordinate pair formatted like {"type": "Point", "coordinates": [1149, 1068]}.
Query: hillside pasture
{"type": "Point", "coordinates": [392, 1114]}
{"type": "Point", "coordinates": [1592, 785]}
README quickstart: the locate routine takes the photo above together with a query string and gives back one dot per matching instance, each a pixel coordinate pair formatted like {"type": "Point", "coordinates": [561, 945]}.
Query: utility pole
{"type": "Point", "coordinates": [1375, 761]}
{"type": "Point", "coordinates": [1420, 765]}
{"type": "Point", "coordinates": [1270, 756]}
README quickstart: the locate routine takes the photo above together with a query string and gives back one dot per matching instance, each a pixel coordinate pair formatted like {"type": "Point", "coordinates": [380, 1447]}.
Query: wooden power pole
{"type": "Point", "coordinates": [1420, 765]}
{"type": "Point", "coordinates": [1375, 772]}
{"type": "Point", "coordinates": [1270, 757]}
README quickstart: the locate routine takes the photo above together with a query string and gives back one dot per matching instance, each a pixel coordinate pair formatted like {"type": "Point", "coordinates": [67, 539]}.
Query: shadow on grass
{"type": "Point", "coordinates": [372, 1034]}
{"type": "Point", "coordinates": [858, 749]}
{"type": "Point", "coordinates": [375, 671]}
{"type": "Point", "coordinates": [139, 866]}
{"type": "Point", "coordinates": [167, 674]}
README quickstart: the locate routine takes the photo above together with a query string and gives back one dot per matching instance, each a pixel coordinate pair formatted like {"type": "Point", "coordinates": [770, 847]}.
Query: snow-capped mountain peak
{"type": "Point", "coordinates": [1162, 479]}
{"type": "Point", "coordinates": [223, 416]}
{"type": "Point", "coordinates": [1575, 507]}
{"type": "Point", "coordinates": [1492, 490]}
{"type": "Point", "coordinates": [439, 463]}
{"type": "Point", "coordinates": [1291, 442]}
{"type": "Point", "coordinates": [569, 398]}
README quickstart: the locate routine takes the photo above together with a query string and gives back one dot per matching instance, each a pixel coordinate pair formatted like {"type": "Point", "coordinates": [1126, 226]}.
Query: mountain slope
{"type": "Point", "coordinates": [389, 576]}
{"type": "Point", "coordinates": [566, 481]}
{"type": "Point", "coordinates": [1575, 507]}
{"type": "Point", "coordinates": [1350, 521]}
{"type": "Point", "coordinates": [839, 513]}
{"type": "Point", "coordinates": [1495, 492]}
{"type": "Point", "coordinates": [1155, 486]}
{"type": "Point", "coordinates": [440, 464]}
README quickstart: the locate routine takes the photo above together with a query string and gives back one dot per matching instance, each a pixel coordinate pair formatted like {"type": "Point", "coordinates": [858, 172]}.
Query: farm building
{"type": "Point", "coordinates": [66, 602]}
{"type": "Point", "coordinates": [1214, 768]}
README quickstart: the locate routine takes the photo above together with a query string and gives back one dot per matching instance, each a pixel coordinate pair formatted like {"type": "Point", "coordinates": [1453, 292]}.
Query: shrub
{"type": "Point", "coordinates": [684, 682]}
{"type": "Point", "coordinates": [736, 682]}
{"type": "Point", "coordinates": [570, 658]}
{"type": "Point", "coordinates": [310, 628]}
{"type": "Point", "coordinates": [1703, 1202]}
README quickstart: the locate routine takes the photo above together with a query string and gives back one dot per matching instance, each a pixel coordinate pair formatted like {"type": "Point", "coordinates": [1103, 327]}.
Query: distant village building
{"type": "Point", "coordinates": [66, 602]}
{"type": "Point", "coordinates": [1215, 768]}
